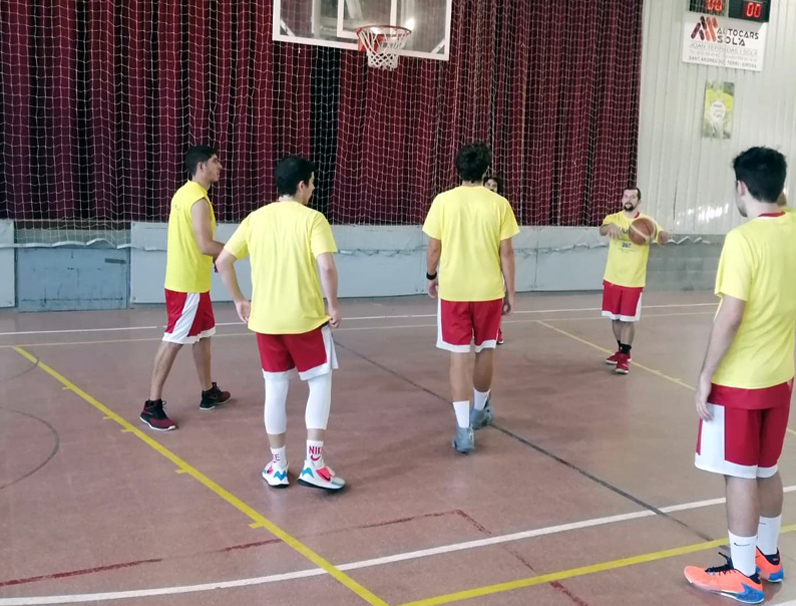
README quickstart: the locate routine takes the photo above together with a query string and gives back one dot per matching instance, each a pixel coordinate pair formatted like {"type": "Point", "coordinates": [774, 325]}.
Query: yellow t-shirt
{"type": "Point", "coordinates": [627, 262]}
{"type": "Point", "coordinates": [187, 269]}
{"type": "Point", "coordinates": [470, 222]}
{"type": "Point", "coordinates": [758, 265]}
{"type": "Point", "coordinates": [283, 240]}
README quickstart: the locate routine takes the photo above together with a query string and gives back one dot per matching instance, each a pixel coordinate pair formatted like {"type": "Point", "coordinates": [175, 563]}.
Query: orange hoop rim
{"type": "Point", "coordinates": [395, 29]}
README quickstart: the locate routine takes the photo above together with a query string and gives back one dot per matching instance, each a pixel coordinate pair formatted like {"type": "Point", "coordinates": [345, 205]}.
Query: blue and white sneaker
{"type": "Point", "coordinates": [320, 477]}
{"type": "Point", "coordinates": [276, 474]}
{"type": "Point", "coordinates": [463, 441]}
{"type": "Point", "coordinates": [482, 418]}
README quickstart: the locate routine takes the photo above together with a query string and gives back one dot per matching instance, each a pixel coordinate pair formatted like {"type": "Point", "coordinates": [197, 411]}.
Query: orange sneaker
{"type": "Point", "coordinates": [727, 581]}
{"type": "Point", "coordinates": [769, 567]}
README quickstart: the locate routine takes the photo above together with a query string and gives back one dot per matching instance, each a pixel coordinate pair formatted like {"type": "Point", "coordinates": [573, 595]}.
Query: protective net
{"type": "Point", "coordinates": [100, 100]}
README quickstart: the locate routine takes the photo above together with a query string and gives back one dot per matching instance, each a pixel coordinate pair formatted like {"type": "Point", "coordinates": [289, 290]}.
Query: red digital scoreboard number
{"type": "Point", "coordinates": [749, 10]}
{"type": "Point", "coordinates": [715, 6]}
{"type": "Point", "coordinates": [752, 10]}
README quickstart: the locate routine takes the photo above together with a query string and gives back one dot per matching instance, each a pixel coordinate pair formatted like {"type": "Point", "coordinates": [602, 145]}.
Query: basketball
{"type": "Point", "coordinates": [642, 231]}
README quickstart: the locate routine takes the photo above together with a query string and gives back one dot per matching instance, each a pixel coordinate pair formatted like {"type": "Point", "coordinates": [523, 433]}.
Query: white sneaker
{"type": "Point", "coordinates": [275, 475]}
{"type": "Point", "coordinates": [320, 477]}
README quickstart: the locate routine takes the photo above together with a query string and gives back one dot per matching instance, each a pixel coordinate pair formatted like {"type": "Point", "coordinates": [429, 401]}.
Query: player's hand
{"type": "Point", "coordinates": [508, 304]}
{"type": "Point", "coordinates": [433, 287]}
{"type": "Point", "coordinates": [244, 309]}
{"type": "Point", "coordinates": [663, 237]}
{"type": "Point", "coordinates": [614, 232]}
{"type": "Point", "coordinates": [701, 399]}
{"type": "Point", "coordinates": [334, 316]}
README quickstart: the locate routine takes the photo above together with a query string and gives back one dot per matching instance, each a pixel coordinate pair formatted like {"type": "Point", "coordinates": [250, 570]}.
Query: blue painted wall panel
{"type": "Point", "coordinates": [65, 279]}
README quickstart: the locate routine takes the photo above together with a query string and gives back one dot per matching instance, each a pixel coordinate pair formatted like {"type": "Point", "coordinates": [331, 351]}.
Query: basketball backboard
{"type": "Point", "coordinates": [335, 22]}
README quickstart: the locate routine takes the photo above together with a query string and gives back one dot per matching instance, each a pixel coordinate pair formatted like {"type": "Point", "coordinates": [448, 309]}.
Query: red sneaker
{"type": "Point", "coordinates": [622, 364]}
{"type": "Point", "coordinates": [213, 397]}
{"type": "Point", "coordinates": [612, 360]}
{"type": "Point", "coordinates": [155, 416]}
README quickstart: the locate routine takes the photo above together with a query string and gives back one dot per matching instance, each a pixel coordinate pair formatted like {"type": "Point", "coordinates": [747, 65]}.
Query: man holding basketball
{"type": "Point", "coordinates": [625, 274]}
{"type": "Point", "coordinates": [469, 231]}
{"type": "Point", "coordinates": [745, 385]}
{"type": "Point", "coordinates": [190, 254]}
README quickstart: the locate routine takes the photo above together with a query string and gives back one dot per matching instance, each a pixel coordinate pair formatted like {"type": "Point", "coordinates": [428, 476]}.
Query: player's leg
{"type": "Point", "coordinates": [769, 488]}
{"type": "Point", "coordinates": [729, 444]}
{"type": "Point", "coordinates": [455, 334]}
{"type": "Point", "coordinates": [203, 328]}
{"type": "Point", "coordinates": [316, 358]}
{"type": "Point", "coordinates": [277, 367]}
{"type": "Point", "coordinates": [201, 359]}
{"type": "Point", "coordinates": [610, 309]}
{"type": "Point", "coordinates": [486, 321]}
{"type": "Point", "coordinates": [164, 360]}
{"type": "Point", "coordinates": [627, 334]}
{"type": "Point", "coordinates": [461, 387]}
{"type": "Point", "coordinates": [181, 312]}
{"type": "Point", "coordinates": [629, 309]}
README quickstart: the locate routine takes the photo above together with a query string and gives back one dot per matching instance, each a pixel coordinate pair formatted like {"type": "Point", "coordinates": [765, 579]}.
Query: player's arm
{"type": "Point", "coordinates": [226, 269]}
{"type": "Point", "coordinates": [433, 253]}
{"type": "Point", "coordinates": [507, 268]}
{"type": "Point", "coordinates": [725, 326]}
{"type": "Point", "coordinates": [327, 272]}
{"type": "Point", "coordinates": [202, 230]}
{"type": "Point", "coordinates": [611, 230]}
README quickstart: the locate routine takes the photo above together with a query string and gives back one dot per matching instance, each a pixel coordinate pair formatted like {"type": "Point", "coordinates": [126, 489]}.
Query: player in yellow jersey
{"type": "Point", "coordinates": [469, 231]}
{"type": "Point", "coordinates": [189, 261]}
{"type": "Point", "coordinates": [625, 276]}
{"type": "Point", "coordinates": [744, 389]}
{"type": "Point", "coordinates": [284, 241]}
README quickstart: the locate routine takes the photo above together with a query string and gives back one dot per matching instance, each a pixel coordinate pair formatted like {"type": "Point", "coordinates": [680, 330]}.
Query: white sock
{"type": "Point", "coordinates": [319, 401]}
{"type": "Point", "coordinates": [479, 399]}
{"type": "Point", "coordinates": [768, 534]}
{"type": "Point", "coordinates": [315, 453]}
{"type": "Point", "coordinates": [279, 456]}
{"type": "Point", "coordinates": [275, 397]}
{"type": "Point", "coordinates": [462, 410]}
{"type": "Point", "coordinates": [742, 551]}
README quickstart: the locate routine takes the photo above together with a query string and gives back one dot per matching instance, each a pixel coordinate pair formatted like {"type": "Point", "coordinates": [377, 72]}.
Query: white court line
{"type": "Point", "coordinates": [49, 332]}
{"type": "Point", "coordinates": [400, 557]}
{"type": "Point", "coordinates": [396, 317]}
{"type": "Point", "coordinates": [336, 330]}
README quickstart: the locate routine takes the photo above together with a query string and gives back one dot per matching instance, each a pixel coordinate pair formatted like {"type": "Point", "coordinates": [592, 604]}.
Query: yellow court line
{"type": "Point", "coordinates": [595, 346]}
{"type": "Point", "coordinates": [647, 368]}
{"type": "Point", "coordinates": [574, 572]}
{"type": "Point", "coordinates": [184, 467]}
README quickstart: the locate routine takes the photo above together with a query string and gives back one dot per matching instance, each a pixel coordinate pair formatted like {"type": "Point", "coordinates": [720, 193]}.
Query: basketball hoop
{"type": "Point", "coordinates": [382, 43]}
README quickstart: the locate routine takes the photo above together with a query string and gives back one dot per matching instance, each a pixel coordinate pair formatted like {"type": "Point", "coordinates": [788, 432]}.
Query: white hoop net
{"type": "Point", "coordinates": [382, 43]}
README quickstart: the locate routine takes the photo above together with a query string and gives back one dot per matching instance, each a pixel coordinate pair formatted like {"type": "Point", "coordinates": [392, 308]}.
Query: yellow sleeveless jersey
{"type": "Point", "coordinates": [187, 269]}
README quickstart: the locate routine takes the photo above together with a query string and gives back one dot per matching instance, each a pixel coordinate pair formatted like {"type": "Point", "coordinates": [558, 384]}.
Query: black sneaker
{"type": "Point", "coordinates": [213, 397]}
{"type": "Point", "coordinates": [155, 416]}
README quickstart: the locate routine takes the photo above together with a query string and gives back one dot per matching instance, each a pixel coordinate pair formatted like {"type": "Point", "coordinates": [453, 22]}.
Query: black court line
{"type": "Point", "coordinates": [56, 445]}
{"type": "Point", "coordinates": [537, 448]}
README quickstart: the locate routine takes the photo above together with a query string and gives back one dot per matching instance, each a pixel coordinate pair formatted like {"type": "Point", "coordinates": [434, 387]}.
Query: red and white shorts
{"type": "Point", "coordinates": [312, 354]}
{"type": "Point", "coordinates": [459, 323]}
{"type": "Point", "coordinates": [744, 442]}
{"type": "Point", "coordinates": [190, 317]}
{"type": "Point", "coordinates": [621, 302]}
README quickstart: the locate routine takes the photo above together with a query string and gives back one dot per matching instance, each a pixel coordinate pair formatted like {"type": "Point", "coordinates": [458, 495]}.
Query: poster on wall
{"type": "Point", "coordinates": [723, 42]}
{"type": "Point", "coordinates": [717, 117]}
